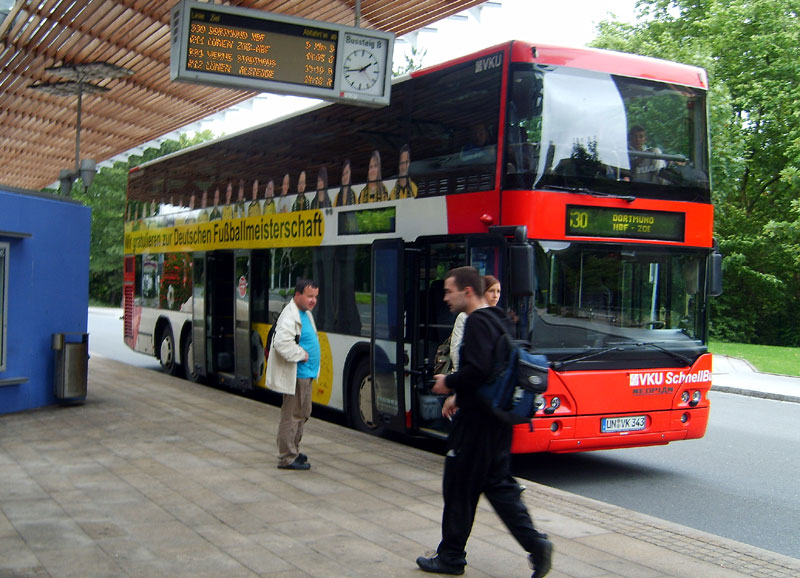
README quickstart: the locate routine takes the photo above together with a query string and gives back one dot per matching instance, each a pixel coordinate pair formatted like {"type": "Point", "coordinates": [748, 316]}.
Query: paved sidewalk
{"type": "Point", "coordinates": [154, 476]}
{"type": "Point", "coordinates": [733, 375]}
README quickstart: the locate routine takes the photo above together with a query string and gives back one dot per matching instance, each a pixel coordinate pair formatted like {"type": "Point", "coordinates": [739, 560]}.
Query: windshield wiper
{"type": "Point", "coordinates": [622, 346]}
{"type": "Point", "coordinates": [674, 354]}
{"type": "Point", "coordinates": [585, 191]}
{"type": "Point", "coordinates": [583, 356]}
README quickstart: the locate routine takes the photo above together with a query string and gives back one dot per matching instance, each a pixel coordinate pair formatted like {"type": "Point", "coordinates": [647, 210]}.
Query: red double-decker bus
{"type": "Point", "coordinates": [578, 177]}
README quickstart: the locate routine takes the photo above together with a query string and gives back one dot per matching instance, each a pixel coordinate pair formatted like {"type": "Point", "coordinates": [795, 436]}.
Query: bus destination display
{"type": "Point", "coordinates": [230, 44]}
{"type": "Point", "coordinates": [254, 50]}
{"type": "Point", "coordinates": [585, 221]}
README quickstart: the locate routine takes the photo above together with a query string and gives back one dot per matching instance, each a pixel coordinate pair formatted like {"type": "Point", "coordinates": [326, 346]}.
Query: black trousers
{"type": "Point", "coordinates": [479, 461]}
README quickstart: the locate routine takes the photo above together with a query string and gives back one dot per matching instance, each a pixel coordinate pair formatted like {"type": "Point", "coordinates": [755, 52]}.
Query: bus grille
{"type": "Point", "coordinates": [128, 313]}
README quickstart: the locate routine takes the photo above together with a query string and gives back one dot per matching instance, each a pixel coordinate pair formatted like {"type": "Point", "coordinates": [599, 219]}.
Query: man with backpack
{"type": "Point", "coordinates": [478, 459]}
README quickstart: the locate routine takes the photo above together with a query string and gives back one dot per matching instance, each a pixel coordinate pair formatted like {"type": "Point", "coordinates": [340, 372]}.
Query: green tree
{"type": "Point", "coordinates": [106, 197]}
{"type": "Point", "coordinates": [413, 62]}
{"type": "Point", "coordinates": [750, 49]}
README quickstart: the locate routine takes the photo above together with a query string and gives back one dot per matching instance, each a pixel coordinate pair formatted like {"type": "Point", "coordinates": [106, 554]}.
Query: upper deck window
{"type": "Point", "coordinates": [454, 127]}
{"type": "Point", "coordinates": [570, 128]}
{"type": "Point", "coordinates": [441, 130]}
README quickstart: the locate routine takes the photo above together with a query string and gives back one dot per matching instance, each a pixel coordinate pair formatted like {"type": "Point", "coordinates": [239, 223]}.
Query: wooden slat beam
{"type": "Point", "coordinates": [37, 131]}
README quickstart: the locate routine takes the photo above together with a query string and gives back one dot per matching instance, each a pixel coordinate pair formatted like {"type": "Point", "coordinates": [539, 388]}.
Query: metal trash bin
{"type": "Point", "coordinates": [72, 365]}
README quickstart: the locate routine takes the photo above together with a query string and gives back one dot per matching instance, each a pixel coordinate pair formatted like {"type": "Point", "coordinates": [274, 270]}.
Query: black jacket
{"type": "Point", "coordinates": [483, 349]}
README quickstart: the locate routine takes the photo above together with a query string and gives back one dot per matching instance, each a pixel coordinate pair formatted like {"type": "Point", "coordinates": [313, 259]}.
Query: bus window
{"type": "Point", "coordinates": [343, 276]}
{"type": "Point", "coordinates": [608, 297]}
{"type": "Point", "coordinates": [344, 304]}
{"type": "Point", "coordinates": [570, 129]}
{"type": "Point", "coordinates": [436, 318]}
{"type": "Point", "coordinates": [150, 279]}
{"type": "Point", "coordinates": [137, 284]}
{"type": "Point", "coordinates": [454, 130]}
{"type": "Point", "coordinates": [259, 283]}
{"type": "Point", "coordinates": [175, 287]}
{"type": "Point", "coordinates": [287, 266]}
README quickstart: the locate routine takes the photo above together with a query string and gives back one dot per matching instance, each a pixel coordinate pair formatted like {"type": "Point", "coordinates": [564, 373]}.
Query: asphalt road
{"type": "Point", "coordinates": [740, 481]}
{"type": "Point", "coordinates": [105, 338]}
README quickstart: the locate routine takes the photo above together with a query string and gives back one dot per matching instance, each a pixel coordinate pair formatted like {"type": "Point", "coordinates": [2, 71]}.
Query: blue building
{"type": "Point", "coordinates": [44, 290]}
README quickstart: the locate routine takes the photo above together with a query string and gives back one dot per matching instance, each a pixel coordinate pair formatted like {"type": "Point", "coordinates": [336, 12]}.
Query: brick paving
{"type": "Point", "coordinates": [154, 476]}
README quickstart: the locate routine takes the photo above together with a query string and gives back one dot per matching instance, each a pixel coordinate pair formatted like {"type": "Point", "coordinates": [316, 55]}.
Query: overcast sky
{"type": "Point", "coordinates": [559, 22]}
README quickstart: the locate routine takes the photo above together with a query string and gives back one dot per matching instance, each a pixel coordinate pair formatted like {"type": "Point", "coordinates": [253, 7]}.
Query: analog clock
{"type": "Point", "coordinates": [362, 69]}
{"type": "Point", "coordinates": [364, 63]}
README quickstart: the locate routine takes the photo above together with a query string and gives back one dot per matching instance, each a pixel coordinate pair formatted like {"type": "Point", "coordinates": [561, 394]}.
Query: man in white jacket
{"type": "Point", "coordinates": [292, 365]}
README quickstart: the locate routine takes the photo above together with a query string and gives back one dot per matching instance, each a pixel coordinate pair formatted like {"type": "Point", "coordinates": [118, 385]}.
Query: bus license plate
{"type": "Point", "coordinates": [617, 424]}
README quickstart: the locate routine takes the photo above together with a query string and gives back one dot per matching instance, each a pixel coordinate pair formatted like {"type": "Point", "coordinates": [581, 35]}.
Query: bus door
{"type": "Point", "coordinates": [434, 321]}
{"type": "Point", "coordinates": [432, 325]}
{"type": "Point", "coordinates": [220, 307]}
{"type": "Point", "coordinates": [198, 355]}
{"type": "Point", "coordinates": [387, 359]}
{"type": "Point", "coordinates": [241, 314]}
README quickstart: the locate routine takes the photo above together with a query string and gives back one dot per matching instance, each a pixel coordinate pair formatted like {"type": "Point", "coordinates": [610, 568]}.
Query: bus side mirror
{"type": "Point", "coordinates": [715, 274]}
{"type": "Point", "coordinates": [521, 274]}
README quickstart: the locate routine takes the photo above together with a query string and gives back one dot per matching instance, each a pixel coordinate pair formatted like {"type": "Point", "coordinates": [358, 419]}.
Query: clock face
{"type": "Point", "coordinates": [362, 69]}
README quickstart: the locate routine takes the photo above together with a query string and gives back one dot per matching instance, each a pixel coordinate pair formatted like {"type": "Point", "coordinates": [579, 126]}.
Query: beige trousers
{"type": "Point", "coordinates": [295, 411]}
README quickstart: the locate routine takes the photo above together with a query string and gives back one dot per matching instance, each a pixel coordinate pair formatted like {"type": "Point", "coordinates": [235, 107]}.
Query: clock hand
{"type": "Point", "coordinates": [362, 69]}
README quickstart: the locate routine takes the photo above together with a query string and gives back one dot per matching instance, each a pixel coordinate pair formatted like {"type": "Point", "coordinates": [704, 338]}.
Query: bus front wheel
{"type": "Point", "coordinates": [362, 415]}
{"type": "Point", "coordinates": [166, 352]}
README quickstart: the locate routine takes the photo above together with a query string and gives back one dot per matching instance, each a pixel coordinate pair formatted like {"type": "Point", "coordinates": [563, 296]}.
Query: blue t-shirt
{"type": "Point", "coordinates": [310, 342]}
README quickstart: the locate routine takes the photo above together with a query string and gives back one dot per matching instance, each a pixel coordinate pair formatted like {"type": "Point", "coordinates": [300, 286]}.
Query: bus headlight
{"type": "Point", "coordinates": [555, 403]}
{"type": "Point", "coordinates": [696, 397]}
{"type": "Point", "coordinates": [685, 397]}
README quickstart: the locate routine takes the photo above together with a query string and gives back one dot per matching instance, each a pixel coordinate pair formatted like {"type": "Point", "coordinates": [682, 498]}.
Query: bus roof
{"type": "Point", "coordinates": [620, 63]}
{"type": "Point", "coordinates": [607, 61]}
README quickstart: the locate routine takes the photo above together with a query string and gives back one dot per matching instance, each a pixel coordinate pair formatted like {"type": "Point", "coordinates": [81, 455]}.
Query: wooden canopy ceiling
{"type": "Point", "coordinates": [37, 128]}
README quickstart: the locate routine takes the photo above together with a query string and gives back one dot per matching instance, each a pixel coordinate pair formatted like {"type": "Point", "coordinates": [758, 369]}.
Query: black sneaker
{"type": "Point", "coordinates": [302, 458]}
{"type": "Point", "coordinates": [540, 559]}
{"type": "Point", "coordinates": [296, 465]}
{"type": "Point", "coordinates": [435, 565]}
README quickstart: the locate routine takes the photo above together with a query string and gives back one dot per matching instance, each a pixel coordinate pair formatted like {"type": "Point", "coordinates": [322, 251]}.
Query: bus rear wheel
{"type": "Point", "coordinates": [189, 370]}
{"type": "Point", "coordinates": [167, 352]}
{"type": "Point", "coordinates": [362, 416]}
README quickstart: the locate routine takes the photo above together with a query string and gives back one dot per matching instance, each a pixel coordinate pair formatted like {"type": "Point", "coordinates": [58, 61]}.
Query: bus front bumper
{"type": "Point", "coordinates": [579, 434]}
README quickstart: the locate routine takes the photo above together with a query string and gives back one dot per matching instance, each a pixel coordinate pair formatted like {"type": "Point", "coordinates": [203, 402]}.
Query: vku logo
{"type": "Point", "coordinates": [489, 63]}
{"type": "Point", "coordinates": [641, 379]}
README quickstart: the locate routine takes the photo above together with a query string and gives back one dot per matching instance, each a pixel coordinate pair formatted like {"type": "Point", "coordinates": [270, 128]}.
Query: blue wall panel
{"type": "Point", "coordinates": [48, 289]}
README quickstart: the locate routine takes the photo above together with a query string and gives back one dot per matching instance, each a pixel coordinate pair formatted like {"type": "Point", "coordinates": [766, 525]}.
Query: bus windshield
{"type": "Point", "coordinates": [592, 296]}
{"type": "Point", "coordinates": [576, 129]}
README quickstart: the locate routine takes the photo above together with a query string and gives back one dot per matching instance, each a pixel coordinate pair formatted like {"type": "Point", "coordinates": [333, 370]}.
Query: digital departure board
{"type": "Point", "coordinates": [255, 50]}
{"type": "Point", "coordinates": [584, 221]}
